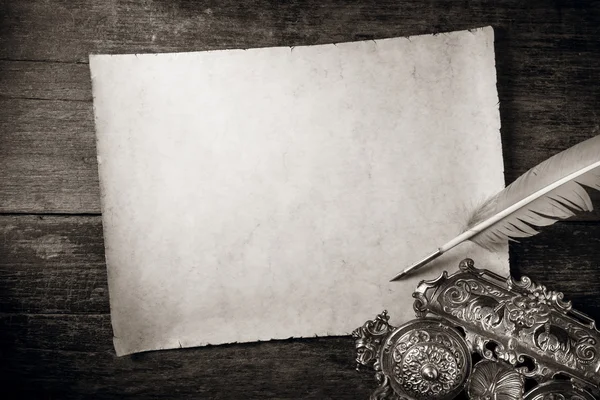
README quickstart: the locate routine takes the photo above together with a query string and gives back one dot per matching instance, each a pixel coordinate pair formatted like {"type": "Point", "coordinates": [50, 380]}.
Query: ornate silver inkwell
{"type": "Point", "coordinates": [530, 343]}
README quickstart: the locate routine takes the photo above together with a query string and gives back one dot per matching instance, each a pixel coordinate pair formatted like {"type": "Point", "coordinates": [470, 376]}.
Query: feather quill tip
{"type": "Point", "coordinates": [417, 265]}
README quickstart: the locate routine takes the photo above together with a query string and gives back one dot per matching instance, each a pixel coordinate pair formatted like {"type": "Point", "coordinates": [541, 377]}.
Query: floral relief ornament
{"type": "Point", "coordinates": [430, 370]}
{"type": "Point", "coordinates": [520, 329]}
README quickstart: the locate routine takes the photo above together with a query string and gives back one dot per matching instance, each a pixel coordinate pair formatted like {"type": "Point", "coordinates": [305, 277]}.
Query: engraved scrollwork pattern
{"type": "Point", "coordinates": [385, 390]}
{"type": "Point", "coordinates": [421, 305]}
{"type": "Point", "coordinates": [459, 293]}
{"type": "Point", "coordinates": [473, 301]}
{"type": "Point", "coordinates": [540, 293]}
{"type": "Point", "coordinates": [428, 370]}
{"type": "Point", "coordinates": [427, 363]}
{"type": "Point", "coordinates": [525, 312]}
{"type": "Point", "coordinates": [517, 323]}
{"type": "Point", "coordinates": [368, 338]}
{"type": "Point", "coordinates": [509, 319]}
{"type": "Point", "coordinates": [586, 347]}
{"type": "Point", "coordinates": [415, 337]}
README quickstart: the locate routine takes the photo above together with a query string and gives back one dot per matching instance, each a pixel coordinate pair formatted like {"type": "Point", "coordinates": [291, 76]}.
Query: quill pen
{"type": "Point", "coordinates": [548, 192]}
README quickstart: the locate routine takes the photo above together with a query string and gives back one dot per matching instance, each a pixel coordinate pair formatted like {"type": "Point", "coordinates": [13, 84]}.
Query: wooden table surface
{"type": "Point", "coordinates": [55, 332]}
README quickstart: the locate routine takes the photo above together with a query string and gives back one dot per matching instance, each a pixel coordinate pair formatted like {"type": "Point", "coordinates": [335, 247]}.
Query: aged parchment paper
{"type": "Point", "coordinates": [272, 193]}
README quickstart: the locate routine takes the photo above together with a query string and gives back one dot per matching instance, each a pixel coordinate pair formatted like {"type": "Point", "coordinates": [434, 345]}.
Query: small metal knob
{"type": "Point", "coordinates": [429, 372]}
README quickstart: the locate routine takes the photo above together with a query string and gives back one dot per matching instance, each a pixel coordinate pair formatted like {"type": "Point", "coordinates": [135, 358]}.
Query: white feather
{"type": "Point", "coordinates": [549, 192]}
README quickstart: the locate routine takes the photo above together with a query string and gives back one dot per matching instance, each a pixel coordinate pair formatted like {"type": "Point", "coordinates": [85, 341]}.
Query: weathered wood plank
{"type": "Point", "coordinates": [69, 332]}
{"type": "Point", "coordinates": [547, 59]}
{"type": "Point", "coordinates": [47, 157]}
{"type": "Point", "coordinates": [47, 147]}
{"type": "Point", "coordinates": [67, 30]}
{"type": "Point", "coordinates": [317, 368]}
{"type": "Point", "coordinates": [52, 265]}
{"type": "Point", "coordinates": [47, 355]}
{"type": "Point", "coordinates": [55, 333]}
{"type": "Point", "coordinates": [45, 81]}
{"type": "Point", "coordinates": [311, 369]}
{"type": "Point", "coordinates": [55, 265]}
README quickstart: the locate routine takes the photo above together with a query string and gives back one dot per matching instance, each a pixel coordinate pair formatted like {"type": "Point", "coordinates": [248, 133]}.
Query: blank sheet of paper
{"type": "Point", "coordinates": [272, 193]}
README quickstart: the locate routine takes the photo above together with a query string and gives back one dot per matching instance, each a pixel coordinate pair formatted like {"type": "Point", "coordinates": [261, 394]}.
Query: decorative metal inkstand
{"type": "Point", "coordinates": [531, 344]}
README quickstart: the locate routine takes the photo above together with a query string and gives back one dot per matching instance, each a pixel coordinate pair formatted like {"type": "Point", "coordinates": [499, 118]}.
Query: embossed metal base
{"type": "Point", "coordinates": [520, 329]}
{"type": "Point", "coordinates": [426, 359]}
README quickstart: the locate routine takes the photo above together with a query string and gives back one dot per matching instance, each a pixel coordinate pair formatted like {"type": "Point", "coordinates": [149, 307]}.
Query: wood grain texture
{"type": "Point", "coordinates": [47, 157]}
{"type": "Point", "coordinates": [55, 264]}
{"type": "Point", "coordinates": [313, 369]}
{"type": "Point", "coordinates": [48, 152]}
{"type": "Point", "coordinates": [547, 61]}
{"type": "Point", "coordinates": [52, 265]}
{"type": "Point", "coordinates": [56, 337]}
{"type": "Point", "coordinates": [55, 333]}
{"type": "Point", "coordinates": [68, 30]}
{"type": "Point", "coordinates": [45, 81]}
